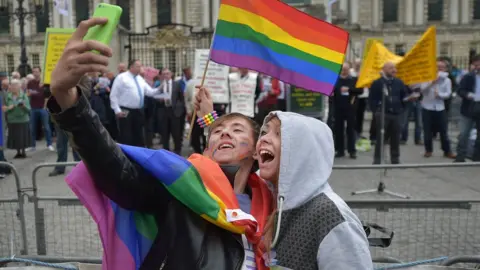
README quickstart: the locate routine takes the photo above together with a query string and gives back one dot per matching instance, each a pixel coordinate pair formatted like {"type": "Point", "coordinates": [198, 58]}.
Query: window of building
{"type": "Point", "coordinates": [164, 12]}
{"type": "Point", "coordinates": [158, 59]}
{"type": "Point", "coordinates": [35, 60]}
{"type": "Point", "coordinates": [125, 18]}
{"type": "Point", "coordinates": [43, 20]}
{"type": "Point", "coordinates": [400, 49]}
{"type": "Point", "coordinates": [475, 46]}
{"type": "Point", "coordinates": [10, 63]}
{"type": "Point", "coordinates": [476, 10]}
{"type": "Point", "coordinates": [4, 20]}
{"type": "Point", "coordinates": [390, 11]}
{"type": "Point", "coordinates": [445, 49]}
{"type": "Point", "coordinates": [435, 10]}
{"type": "Point", "coordinates": [82, 10]}
{"type": "Point", "coordinates": [172, 61]}
{"type": "Point", "coordinates": [388, 46]}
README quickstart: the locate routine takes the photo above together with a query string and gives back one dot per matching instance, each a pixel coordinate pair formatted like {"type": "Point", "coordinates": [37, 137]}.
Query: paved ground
{"type": "Point", "coordinates": [420, 232]}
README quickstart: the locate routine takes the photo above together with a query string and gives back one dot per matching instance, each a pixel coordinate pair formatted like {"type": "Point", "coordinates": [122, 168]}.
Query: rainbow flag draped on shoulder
{"type": "Point", "coordinates": [199, 183]}
{"type": "Point", "coordinates": [276, 39]}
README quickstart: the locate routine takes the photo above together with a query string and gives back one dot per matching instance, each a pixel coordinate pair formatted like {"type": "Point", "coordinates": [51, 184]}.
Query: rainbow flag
{"type": "Point", "coordinates": [199, 183]}
{"type": "Point", "coordinates": [276, 39]}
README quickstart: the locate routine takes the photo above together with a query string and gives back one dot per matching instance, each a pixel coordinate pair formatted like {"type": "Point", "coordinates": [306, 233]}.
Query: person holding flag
{"type": "Point", "coordinates": [207, 212]}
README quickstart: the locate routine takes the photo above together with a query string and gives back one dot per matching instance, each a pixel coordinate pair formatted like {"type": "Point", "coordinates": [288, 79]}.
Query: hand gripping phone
{"type": "Point", "coordinates": [104, 33]}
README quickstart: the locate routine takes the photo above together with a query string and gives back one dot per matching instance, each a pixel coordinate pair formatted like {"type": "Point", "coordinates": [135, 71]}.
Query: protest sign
{"type": "Point", "coordinates": [420, 63]}
{"type": "Point", "coordinates": [55, 41]}
{"type": "Point", "coordinates": [216, 78]}
{"type": "Point", "coordinates": [368, 44]}
{"type": "Point", "coordinates": [305, 102]}
{"type": "Point", "coordinates": [418, 66]}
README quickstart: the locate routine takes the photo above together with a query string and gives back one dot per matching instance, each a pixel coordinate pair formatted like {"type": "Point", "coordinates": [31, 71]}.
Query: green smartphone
{"type": "Point", "coordinates": [104, 33]}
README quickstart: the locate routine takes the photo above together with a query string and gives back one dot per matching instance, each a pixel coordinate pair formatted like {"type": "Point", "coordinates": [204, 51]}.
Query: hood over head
{"type": "Point", "coordinates": [306, 159]}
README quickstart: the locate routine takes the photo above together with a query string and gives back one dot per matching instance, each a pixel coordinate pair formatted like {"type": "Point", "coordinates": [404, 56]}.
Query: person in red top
{"type": "Point", "coordinates": [38, 113]}
{"type": "Point", "coordinates": [267, 100]}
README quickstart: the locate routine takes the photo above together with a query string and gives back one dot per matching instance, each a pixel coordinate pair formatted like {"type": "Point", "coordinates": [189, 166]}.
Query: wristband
{"type": "Point", "coordinates": [207, 119]}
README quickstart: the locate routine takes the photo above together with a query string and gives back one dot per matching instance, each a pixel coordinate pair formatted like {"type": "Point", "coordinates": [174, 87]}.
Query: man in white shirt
{"type": "Point", "coordinates": [433, 110]}
{"type": "Point", "coordinates": [127, 101]}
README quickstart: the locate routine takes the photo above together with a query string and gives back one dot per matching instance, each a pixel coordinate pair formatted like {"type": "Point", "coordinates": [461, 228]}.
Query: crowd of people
{"type": "Point", "coordinates": [25, 119]}
{"type": "Point", "coordinates": [393, 103]}
{"type": "Point", "coordinates": [127, 106]}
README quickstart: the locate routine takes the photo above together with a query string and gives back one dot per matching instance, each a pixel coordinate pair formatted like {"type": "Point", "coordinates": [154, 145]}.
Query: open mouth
{"type": "Point", "coordinates": [266, 156]}
{"type": "Point", "coordinates": [225, 146]}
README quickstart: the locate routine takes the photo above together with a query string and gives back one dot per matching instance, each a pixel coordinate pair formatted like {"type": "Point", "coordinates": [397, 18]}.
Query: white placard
{"type": "Point", "coordinates": [243, 94]}
{"type": "Point", "coordinates": [216, 79]}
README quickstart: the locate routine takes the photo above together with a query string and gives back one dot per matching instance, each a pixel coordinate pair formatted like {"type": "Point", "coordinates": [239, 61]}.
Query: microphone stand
{"type": "Point", "coordinates": [381, 187]}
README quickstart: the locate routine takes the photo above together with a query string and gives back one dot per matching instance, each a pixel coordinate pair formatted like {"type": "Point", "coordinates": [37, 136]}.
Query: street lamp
{"type": "Point", "coordinates": [22, 14]}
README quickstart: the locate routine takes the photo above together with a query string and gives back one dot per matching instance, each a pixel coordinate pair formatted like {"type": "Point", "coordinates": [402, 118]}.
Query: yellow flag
{"type": "Point", "coordinates": [418, 66]}
{"type": "Point", "coordinates": [377, 56]}
{"type": "Point", "coordinates": [420, 63]}
{"type": "Point", "coordinates": [368, 45]}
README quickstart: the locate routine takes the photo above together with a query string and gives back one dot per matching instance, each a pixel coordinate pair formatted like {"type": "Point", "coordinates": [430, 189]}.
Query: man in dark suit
{"type": "Point", "coordinates": [389, 116]}
{"type": "Point", "coordinates": [469, 91]}
{"type": "Point", "coordinates": [171, 111]}
{"type": "Point", "coordinates": [344, 95]}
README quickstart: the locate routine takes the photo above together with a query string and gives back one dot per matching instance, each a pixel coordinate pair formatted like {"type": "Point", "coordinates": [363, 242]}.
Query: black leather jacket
{"type": "Point", "coordinates": [185, 240]}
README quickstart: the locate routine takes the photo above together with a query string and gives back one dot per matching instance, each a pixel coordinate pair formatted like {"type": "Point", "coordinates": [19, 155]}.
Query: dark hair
{"type": "Point", "coordinates": [132, 62]}
{"type": "Point", "coordinates": [39, 68]}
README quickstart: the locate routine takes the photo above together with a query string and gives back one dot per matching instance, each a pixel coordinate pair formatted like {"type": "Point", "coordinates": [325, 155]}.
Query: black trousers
{"type": "Point", "coordinates": [373, 129]}
{"type": "Point", "coordinates": [392, 125]}
{"type": "Point", "coordinates": [131, 128]}
{"type": "Point", "coordinates": [171, 125]}
{"type": "Point", "coordinates": [435, 121]}
{"type": "Point", "coordinates": [342, 117]}
{"type": "Point", "coordinates": [198, 140]}
{"type": "Point", "coordinates": [282, 105]}
{"type": "Point", "coordinates": [361, 105]}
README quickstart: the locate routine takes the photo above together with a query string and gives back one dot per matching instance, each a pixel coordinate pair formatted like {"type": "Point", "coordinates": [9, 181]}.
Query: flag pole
{"type": "Point", "coordinates": [329, 20]}
{"type": "Point", "coordinates": [192, 122]}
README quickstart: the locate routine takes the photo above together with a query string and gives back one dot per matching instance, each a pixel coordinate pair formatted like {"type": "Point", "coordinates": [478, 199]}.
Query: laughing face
{"type": "Point", "coordinates": [231, 142]}
{"type": "Point", "coordinates": [269, 149]}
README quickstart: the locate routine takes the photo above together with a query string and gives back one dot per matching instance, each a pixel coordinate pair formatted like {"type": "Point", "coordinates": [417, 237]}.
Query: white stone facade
{"type": "Point", "coordinates": [457, 32]}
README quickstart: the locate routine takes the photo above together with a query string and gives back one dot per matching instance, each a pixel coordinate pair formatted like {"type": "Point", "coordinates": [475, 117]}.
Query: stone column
{"type": "Point", "coordinates": [419, 12]}
{"type": "Point", "coordinates": [465, 12]}
{"type": "Point", "coordinates": [409, 12]}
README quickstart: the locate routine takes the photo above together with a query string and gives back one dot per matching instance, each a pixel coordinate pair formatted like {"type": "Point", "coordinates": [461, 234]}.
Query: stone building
{"type": "Point", "coordinates": [188, 24]}
{"type": "Point", "coordinates": [401, 22]}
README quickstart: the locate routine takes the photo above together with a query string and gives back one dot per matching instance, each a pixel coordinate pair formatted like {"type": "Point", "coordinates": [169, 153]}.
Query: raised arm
{"type": "Point", "coordinates": [116, 176]}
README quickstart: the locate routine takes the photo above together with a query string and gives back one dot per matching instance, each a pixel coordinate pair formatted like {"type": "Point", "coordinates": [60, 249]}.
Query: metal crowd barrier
{"type": "Point", "coordinates": [64, 231]}
{"type": "Point", "coordinates": [10, 241]}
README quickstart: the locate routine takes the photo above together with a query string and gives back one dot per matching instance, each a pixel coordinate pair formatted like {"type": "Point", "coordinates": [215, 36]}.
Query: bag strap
{"type": "Point", "coordinates": [382, 242]}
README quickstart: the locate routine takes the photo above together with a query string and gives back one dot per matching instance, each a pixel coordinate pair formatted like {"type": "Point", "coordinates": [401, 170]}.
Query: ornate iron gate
{"type": "Point", "coordinates": [171, 46]}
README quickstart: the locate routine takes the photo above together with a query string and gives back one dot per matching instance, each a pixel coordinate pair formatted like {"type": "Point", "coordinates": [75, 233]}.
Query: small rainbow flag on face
{"type": "Point", "coordinates": [199, 183]}
{"type": "Point", "coordinates": [276, 39]}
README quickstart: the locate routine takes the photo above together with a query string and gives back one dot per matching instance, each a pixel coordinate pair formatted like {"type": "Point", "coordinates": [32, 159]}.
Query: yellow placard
{"type": "Point", "coordinates": [418, 66]}
{"type": "Point", "coordinates": [420, 63]}
{"type": "Point", "coordinates": [55, 41]}
{"type": "Point", "coordinates": [377, 56]}
{"type": "Point", "coordinates": [368, 45]}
